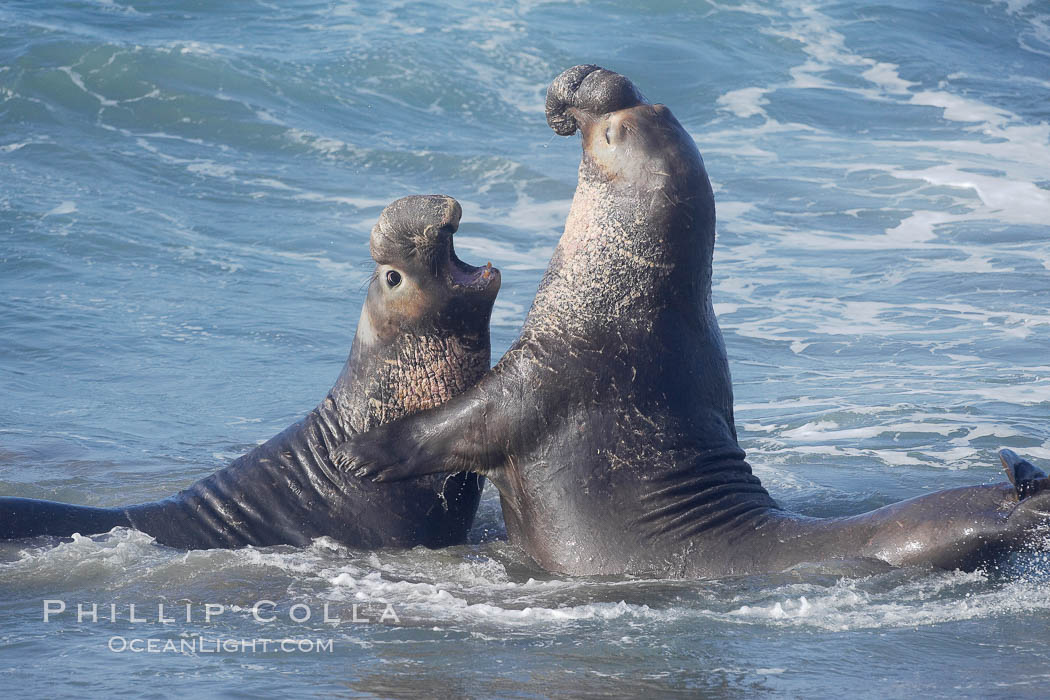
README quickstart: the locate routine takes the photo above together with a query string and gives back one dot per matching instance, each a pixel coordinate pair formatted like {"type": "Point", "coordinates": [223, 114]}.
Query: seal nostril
{"type": "Point", "coordinates": [393, 278]}
{"type": "Point", "coordinates": [607, 139]}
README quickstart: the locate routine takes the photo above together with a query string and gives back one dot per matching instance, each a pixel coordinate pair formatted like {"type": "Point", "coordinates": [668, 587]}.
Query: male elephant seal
{"type": "Point", "coordinates": [423, 337]}
{"type": "Point", "coordinates": [608, 426]}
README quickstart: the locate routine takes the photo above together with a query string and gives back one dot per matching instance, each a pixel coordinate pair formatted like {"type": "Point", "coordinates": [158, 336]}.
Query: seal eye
{"type": "Point", "coordinates": [393, 278]}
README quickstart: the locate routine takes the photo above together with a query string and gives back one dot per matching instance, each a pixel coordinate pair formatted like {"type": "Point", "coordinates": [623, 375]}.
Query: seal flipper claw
{"type": "Point", "coordinates": [1025, 476]}
{"type": "Point", "coordinates": [342, 457]}
{"type": "Point", "coordinates": [382, 454]}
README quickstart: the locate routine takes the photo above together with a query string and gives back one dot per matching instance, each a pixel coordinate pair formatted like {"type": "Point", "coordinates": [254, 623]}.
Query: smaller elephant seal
{"type": "Point", "coordinates": [423, 337]}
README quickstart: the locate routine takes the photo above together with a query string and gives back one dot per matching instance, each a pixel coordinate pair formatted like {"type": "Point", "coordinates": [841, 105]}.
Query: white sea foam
{"type": "Point", "coordinates": [960, 109]}
{"type": "Point", "coordinates": [333, 268]}
{"type": "Point", "coordinates": [434, 600]}
{"type": "Point", "coordinates": [745, 102]}
{"type": "Point", "coordinates": [729, 210]}
{"type": "Point", "coordinates": [197, 48]}
{"type": "Point", "coordinates": [885, 76]}
{"type": "Point", "coordinates": [1028, 394]}
{"type": "Point", "coordinates": [507, 314]}
{"type": "Point", "coordinates": [481, 593]}
{"type": "Point", "coordinates": [83, 561]}
{"type": "Point", "coordinates": [211, 169]}
{"type": "Point", "coordinates": [1012, 201]}
{"type": "Point", "coordinates": [545, 219]}
{"type": "Point", "coordinates": [271, 183]}
{"type": "Point", "coordinates": [852, 604]}
{"type": "Point", "coordinates": [356, 202]}
{"type": "Point", "coordinates": [324, 145]}
{"type": "Point", "coordinates": [724, 309]}
{"type": "Point", "coordinates": [824, 431]}
{"type": "Point", "coordinates": [517, 86]}
{"type": "Point", "coordinates": [79, 82]}
{"type": "Point", "coordinates": [66, 207]}
{"type": "Point", "coordinates": [503, 255]}
{"type": "Point", "coordinates": [112, 6]}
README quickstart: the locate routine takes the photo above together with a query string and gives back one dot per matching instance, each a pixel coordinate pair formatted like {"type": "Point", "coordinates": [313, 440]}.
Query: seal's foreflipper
{"type": "Point", "coordinates": [1025, 476]}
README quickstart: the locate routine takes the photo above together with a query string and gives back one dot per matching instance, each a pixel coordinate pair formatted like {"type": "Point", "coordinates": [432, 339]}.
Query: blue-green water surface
{"type": "Point", "coordinates": [186, 192]}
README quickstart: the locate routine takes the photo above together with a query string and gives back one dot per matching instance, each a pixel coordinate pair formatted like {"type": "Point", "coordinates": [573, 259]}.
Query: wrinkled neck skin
{"type": "Point", "coordinates": [628, 245]}
{"type": "Point", "coordinates": [630, 282]}
{"type": "Point", "coordinates": [420, 368]}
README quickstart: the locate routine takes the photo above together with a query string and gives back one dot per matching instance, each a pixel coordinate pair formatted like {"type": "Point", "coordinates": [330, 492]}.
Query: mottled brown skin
{"type": "Point", "coordinates": [423, 338]}
{"type": "Point", "coordinates": [608, 426]}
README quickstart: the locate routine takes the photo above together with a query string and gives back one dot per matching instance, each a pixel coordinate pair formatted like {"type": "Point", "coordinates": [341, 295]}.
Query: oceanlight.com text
{"type": "Point", "coordinates": [205, 645]}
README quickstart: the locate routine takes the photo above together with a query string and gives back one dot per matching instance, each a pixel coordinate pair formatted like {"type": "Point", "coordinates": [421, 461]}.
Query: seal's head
{"type": "Point", "coordinates": [626, 139]}
{"type": "Point", "coordinates": [420, 286]}
{"type": "Point", "coordinates": [643, 211]}
{"type": "Point", "coordinates": [423, 335]}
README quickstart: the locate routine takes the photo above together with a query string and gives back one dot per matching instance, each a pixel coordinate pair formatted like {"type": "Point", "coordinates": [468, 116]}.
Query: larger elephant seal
{"type": "Point", "coordinates": [608, 426]}
{"type": "Point", "coordinates": [423, 337]}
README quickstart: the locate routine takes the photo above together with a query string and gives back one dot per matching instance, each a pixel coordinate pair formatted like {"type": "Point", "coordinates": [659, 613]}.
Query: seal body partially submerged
{"type": "Point", "coordinates": [608, 426]}
{"type": "Point", "coordinates": [423, 337]}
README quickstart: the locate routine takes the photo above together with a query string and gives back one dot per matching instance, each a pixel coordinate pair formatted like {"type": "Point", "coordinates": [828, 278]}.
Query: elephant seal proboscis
{"type": "Point", "coordinates": [423, 337]}
{"type": "Point", "coordinates": [608, 425]}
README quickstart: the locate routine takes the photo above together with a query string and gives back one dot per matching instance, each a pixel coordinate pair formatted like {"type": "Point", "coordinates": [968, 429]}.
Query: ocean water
{"type": "Point", "coordinates": [187, 191]}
